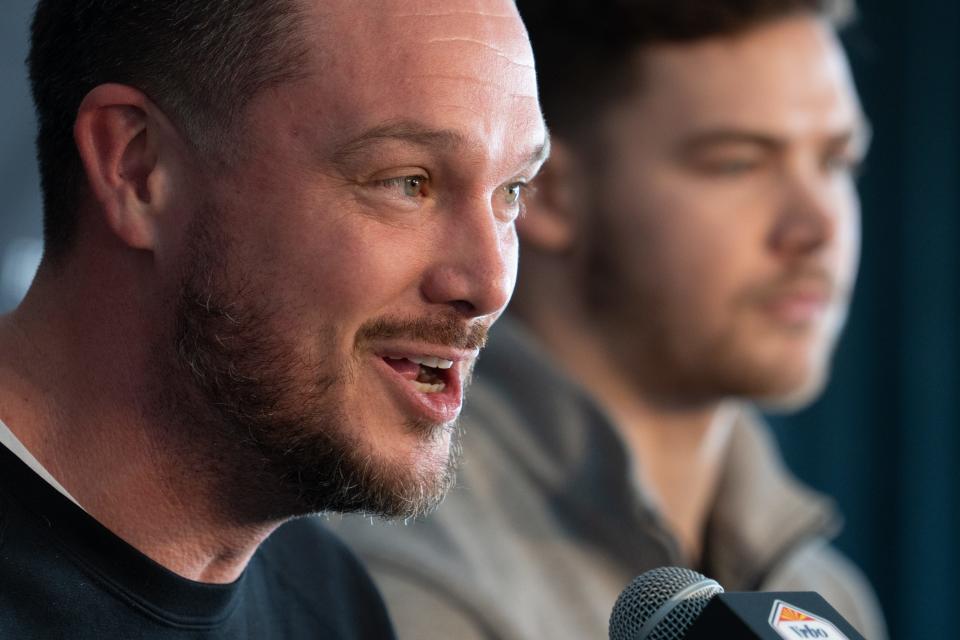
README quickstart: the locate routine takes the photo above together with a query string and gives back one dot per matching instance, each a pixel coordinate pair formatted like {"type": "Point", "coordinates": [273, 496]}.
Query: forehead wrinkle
{"type": "Point", "coordinates": [482, 82]}
{"type": "Point", "coordinates": [499, 31]}
{"type": "Point", "coordinates": [453, 14]}
{"type": "Point", "coordinates": [497, 50]}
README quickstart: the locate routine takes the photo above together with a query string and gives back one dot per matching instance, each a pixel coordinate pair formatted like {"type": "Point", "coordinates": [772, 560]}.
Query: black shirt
{"type": "Point", "coordinates": [64, 575]}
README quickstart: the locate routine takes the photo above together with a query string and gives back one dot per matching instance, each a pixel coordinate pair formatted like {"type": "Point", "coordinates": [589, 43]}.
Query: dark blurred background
{"type": "Point", "coordinates": [883, 439]}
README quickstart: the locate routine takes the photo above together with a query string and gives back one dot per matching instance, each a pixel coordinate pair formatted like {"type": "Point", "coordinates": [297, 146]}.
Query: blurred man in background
{"type": "Point", "coordinates": [691, 249]}
{"type": "Point", "coordinates": [276, 233]}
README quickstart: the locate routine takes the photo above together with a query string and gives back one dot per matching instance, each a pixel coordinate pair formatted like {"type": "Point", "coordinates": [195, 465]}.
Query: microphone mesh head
{"type": "Point", "coordinates": [650, 606]}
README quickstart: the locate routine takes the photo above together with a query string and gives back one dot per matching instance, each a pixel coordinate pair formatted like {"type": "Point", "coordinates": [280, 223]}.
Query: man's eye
{"type": "Point", "coordinates": [513, 193]}
{"type": "Point", "coordinates": [732, 166]}
{"type": "Point", "coordinates": [411, 186]}
{"type": "Point", "coordinates": [845, 163]}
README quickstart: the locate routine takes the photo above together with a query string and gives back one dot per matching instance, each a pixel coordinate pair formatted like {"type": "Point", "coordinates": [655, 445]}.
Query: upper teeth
{"type": "Point", "coordinates": [430, 361]}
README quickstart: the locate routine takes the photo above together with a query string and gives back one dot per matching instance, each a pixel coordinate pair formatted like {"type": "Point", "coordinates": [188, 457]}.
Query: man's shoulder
{"type": "Point", "coordinates": [479, 572]}
{"type": "Point", "coordinates": [760, 509]}
{"type": "Point", "coordinates": [301, 583]}
{"type": "Point", "coordinates": [769, 531]}
{"type": "Point", "coordinates": [35, 570]}
{"type": "Point", "coordinates": [818, 566]}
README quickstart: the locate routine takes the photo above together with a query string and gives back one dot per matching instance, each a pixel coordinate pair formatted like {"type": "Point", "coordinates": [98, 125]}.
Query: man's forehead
{"type": "Point", "coordinates": [485, 21]}
{"type": "Point", "coordinates": [791, 75]}
{"type": "Point", "coordinates": [437, 74]}
{"type": "Point", "coordinates": [790, 57]}
{"type": "Point", "coordinates": [370, 44]}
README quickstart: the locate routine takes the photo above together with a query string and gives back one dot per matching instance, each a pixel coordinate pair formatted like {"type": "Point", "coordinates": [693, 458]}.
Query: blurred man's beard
{"type": "Point", "coordinates": [264, 425]}
{"type": "Point", "coordinates": [662, 345]}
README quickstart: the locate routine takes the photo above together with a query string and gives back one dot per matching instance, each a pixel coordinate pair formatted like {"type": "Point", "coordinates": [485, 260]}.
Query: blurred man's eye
{"type": "Point", "coordinates": [728, 166]}
{"type": "Point", "coordinates": [843, 162]}
{"type": "Point", "coordinates": [733, 166]}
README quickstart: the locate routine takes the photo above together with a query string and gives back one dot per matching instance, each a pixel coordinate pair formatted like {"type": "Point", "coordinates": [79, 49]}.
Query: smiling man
{"type": "Point", "coordinates": [276, 235]}
{"type": "Point", "coordinates": [691, 250]}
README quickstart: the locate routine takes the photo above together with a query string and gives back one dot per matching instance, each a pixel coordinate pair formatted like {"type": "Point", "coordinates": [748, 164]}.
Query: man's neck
{"type": "Point", "coordinates": [681, 457]}
{"type": "Point", "coordinates": [680, 449]}
{"type": "Point", "coordinates": [75, 399]}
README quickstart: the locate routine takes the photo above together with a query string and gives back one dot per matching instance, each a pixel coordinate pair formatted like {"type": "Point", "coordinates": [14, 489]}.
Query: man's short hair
{"type": "Point", "coordinates": [200, 61]}
{"type": "Point", "coordinates": [585, 48]}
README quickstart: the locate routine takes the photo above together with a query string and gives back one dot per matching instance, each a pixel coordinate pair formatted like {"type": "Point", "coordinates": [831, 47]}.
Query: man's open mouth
{"type": "Point", "coordinates": [427, 374]}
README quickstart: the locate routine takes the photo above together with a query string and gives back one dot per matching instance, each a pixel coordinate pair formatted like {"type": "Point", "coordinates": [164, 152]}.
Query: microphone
{"type": "Point", "coordinates": [672, 603]}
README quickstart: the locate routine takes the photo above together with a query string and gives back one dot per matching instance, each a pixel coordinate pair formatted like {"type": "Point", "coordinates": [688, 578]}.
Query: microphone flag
{"type": "Point", "coordinates": [797, 615]}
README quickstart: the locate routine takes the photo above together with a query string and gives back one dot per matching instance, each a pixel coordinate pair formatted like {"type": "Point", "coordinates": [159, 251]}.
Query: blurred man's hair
{"type": "Point", "coordinates": [200, 61]}
{"type": "Point", "coordinates": [585, 49]}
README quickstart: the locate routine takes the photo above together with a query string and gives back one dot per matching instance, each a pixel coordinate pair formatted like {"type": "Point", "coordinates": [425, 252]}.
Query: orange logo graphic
{"type": "Point", "coordinates": [792, 615]}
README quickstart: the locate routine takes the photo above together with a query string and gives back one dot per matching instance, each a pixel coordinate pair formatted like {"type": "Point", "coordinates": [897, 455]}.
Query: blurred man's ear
{"type": "Point", "coordinates": [550, 223]}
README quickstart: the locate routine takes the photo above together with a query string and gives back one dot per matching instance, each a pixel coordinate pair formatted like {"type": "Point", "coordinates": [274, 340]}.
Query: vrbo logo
{"type": "Point", "coordinates": [793, 623]}
{"type": "Point", "coordinates": [806, 631]}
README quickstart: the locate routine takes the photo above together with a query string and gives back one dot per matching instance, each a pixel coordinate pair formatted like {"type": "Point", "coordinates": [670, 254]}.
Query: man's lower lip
{"type": "Point", "coordinates": [440, 406]}
{"type": "Point", "coordinates": [796, 310]}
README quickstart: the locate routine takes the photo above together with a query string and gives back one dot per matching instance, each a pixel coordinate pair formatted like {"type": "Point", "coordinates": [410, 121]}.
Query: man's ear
{"type": "Point", "coordinates": [549, 223]}
{"type": "Point", "coordinates": [117, 135]}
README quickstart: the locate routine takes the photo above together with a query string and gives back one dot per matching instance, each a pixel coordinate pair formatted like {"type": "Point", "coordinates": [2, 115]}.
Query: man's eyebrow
{"type": "Point", "coordinates": [400, 131]}
{"type": "Point", "coordinates": [715, 137]}
{"type": "Point", "coordinates": [859, 134]}
{"type": "Point", "coordinates": [418, 135]}
{"type": "Point", "coordinates": [540, 154]}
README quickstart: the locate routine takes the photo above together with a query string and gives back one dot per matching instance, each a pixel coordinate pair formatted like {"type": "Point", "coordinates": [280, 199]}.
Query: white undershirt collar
{"type": "Point", "coordinates": [11, 442]}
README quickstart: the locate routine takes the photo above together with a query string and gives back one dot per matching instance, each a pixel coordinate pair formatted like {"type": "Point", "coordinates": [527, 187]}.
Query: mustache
{"type": "Point", "coordinates": [807, 278]}
{"type": "Point", "coordinates": [449, 331]}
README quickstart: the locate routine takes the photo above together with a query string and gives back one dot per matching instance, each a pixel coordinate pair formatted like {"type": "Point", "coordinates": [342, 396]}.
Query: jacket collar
{"type": "Point", "coordinates": [760, 510]}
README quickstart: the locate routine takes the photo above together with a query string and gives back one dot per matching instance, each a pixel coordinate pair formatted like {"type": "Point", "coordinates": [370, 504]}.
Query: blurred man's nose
{"type": "Point", "coordinates": [812, 208]}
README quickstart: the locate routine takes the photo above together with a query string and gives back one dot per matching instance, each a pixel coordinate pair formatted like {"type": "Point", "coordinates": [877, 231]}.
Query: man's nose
{"type": "Point", "coordinates": [810, 212]}
{"type": "Point", "coordinates": [475, 264]}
